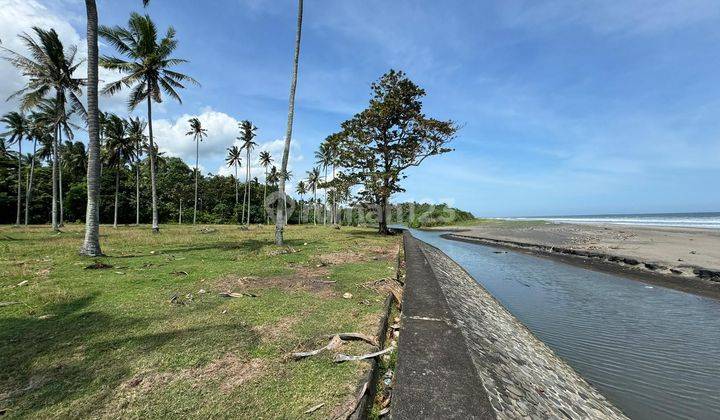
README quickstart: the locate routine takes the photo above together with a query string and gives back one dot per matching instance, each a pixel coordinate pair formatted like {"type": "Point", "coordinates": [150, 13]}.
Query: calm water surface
{"type": "Point", "coordinates": [654, 352]}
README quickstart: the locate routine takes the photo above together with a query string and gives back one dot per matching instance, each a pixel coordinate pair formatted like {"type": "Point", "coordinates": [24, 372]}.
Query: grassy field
{"type": "Point", "coordinates": [151, 336]}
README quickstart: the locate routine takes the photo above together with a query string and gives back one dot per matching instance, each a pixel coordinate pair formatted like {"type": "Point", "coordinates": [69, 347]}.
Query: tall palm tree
{"type": "Point", "coordinates": [234, 159]}
{"type": "Point", "coordinates": [247, 134]}
{"type": "Point", "coordinates": [91, 243]}
{"type": "Point", "coordinates": [39, 131]}
{"type": "Point", "coordinates": [136, 134]}
{"type": "Point", "coordinates": [287, 176]}
{"type": "Point", "coordinates": [323, 157]}
{"type": "Point", "coordinates": [313, 182]}
{"type": "Point", "coordinates": [301, 190]}
{"type": "Point", "coordinates": [198, 132]}
{"type": "Point", "coordinates": [288, 133]}
{"type": "Point", "coordinates": [121, 150]}
{"type": "Point", "coordinates": [332, 146]}
{"type": "Point", "coordinates": [18, 128]}
{"type": "Point", "coordinates": [148, 71]}
{"type": "Point", "coordinates": [49, 69]}
{"type": "Point", "coordinates": [265, 161]}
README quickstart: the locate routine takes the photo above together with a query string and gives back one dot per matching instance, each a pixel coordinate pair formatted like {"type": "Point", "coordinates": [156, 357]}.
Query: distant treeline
{"type": "Point", "coordinates": [418, 215]}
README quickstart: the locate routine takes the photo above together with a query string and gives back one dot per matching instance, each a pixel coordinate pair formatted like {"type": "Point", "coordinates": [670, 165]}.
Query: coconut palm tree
{"type": "Point", "coordinates": [91, 243]}
{"type": "Point", "coordinates": [18, 127]}
{"type": "Point", "coordinates": [287, 176]}
{"type": "Point", "coordinates": [273, 176]}
{"type": "Point", "coordinates": [49, 69]}
{"type": "Point", "coordinates": [136, 134]}
{"type": "Point", "coordinates": [38, 132]}
{"type": "Point", "coordinates": [121, 150]}
{"type": "Point", "coordinates": [323, 157]}
{"type": "Point", "coordinates": [149, 73]}
{"type": "Point", "coordinates": [301, 190]}
{"type": "Point", "coordinates": [288, 133]}
{"type": "Point", "coordinates": [198, 132]}
{"type": "Point", "coordinates": [234, 159]}
{"type": "Point", "coordinates": [265, 161]}
{"type": "Point", "coordinates": [247, 134]}
{"type": "Point", "coordinates": [313, 181]}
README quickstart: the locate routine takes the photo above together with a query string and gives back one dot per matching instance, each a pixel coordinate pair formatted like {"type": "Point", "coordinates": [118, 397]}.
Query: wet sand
{"type": "Point", "coordinates": [685, 258]}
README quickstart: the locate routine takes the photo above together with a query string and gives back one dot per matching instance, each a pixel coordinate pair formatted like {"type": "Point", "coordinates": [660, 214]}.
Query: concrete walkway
{"type": "Point", "coordinates": [436, 378]}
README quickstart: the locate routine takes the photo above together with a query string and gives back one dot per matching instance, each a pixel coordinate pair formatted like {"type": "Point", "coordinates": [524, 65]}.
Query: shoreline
{"type": "Point", "coordinates": [690, 279]}
{"type": "Point", "coordinates": [682, 258]}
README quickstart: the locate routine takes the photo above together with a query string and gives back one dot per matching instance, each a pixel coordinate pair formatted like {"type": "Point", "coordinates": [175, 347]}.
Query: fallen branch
{"type": "Point", "coordinates": [357, 336]}
{"type": "Point", "coordinates": [354, 404]}
{"type": "Point", "coordinates": [8, 303]}
{"type": "Point", "coordinates": [324, 281]}
{"type": "Point", "coordinates": [339, 358]}
{"type": "Point", "coordinates": [237, 295]}
{"type": "Point", "coordinates": [180, 273]}
{"type": "Point", "coordinates": [314, 408]}
{"type": "Point", "coordinates": [335, 341]}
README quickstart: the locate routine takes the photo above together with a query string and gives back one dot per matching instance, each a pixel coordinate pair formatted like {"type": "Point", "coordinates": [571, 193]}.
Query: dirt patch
{"type": "Point", "coordinates": [97, 265]}
{"type": "Point", "coordinates": [230, 370]}
{"type": "Point", "coordinates": [280, 329]}
{"type": "Point", "coordinates": [35, 382]}
{"type": "Point", "coordinates": [305, 278]}
{"type": "Point", "coordinates": [341, 257]}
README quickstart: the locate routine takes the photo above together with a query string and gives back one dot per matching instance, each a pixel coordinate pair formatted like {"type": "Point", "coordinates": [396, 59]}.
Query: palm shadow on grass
{"type": "Point", "coordinates": [81, 353]}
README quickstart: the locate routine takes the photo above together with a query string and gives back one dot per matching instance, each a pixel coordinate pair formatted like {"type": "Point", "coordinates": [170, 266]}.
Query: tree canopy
{"type": "Point", "coordinates": [392, 134]}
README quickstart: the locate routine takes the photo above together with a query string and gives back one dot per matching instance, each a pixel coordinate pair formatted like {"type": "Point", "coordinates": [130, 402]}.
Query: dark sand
{"type": "Point", "coordinates": [684, 258]}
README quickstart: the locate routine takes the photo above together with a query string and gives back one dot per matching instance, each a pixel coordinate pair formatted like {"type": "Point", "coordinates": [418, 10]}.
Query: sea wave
{"type": "Point", "coordinates": [707, 221]}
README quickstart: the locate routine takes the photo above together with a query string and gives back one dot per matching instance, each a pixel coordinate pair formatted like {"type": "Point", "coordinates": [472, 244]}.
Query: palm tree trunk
{"type": "Point", "coordinates": [247, 183]}
{"type": "Point", "coordinates": [91, 244]}
{"type": "Point", "coordinates": [301, 210]}
{"type": "Point", "coordinates": [326, 200]}
{"type": "Point", "coordinates": [54, 207]}
{"type": "Point", "coordinates": [288, 134]}
{"type": "Point", "coordinates": [333, 209]}
{"type": "Point", "coordinates": [242, 211]}
{"type": "Point", "coordinates": [28, 194]}
{"type": "Point", "coordinates": [267, 216]}
{"type": "Point", "coordinates": [153, 187]}
{"type": "Point", "coordinates": [236, 186]}
{"type": "Point", "coordinates": [117, 192]}
{"type": "Point", "coordinates": [19, 180]}
{"type": "Point", "coordinates": [314, 206]}
{"type": "Point", "coordinates": [197, 159]}
{"type": "Point", "coordinates": [60, 182]}
{"type": "Point", "coordinates": [137, 186]}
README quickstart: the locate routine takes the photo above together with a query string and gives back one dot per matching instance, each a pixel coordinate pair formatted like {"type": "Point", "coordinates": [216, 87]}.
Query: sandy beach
{"type": "Point", "coordinates": [689, 254]}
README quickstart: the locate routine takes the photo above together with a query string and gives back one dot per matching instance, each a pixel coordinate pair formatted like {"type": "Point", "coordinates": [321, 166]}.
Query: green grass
{"type": "Point", "coordinates": [110, 343]}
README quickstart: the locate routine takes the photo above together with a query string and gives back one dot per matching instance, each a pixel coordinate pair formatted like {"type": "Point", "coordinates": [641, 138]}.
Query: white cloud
{"type": "Point", "coordinates": [222, 133]}
{"type": "Point", "coordinates": [20, 16]}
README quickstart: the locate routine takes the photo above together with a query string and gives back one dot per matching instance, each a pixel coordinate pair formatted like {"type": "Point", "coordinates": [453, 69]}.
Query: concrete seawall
{"type": "Point", "coordinates": [518, 375]}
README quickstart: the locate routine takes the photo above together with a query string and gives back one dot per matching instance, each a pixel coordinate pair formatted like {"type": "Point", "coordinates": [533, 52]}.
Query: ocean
{"type": "Point", "coordinates": [708, 220]}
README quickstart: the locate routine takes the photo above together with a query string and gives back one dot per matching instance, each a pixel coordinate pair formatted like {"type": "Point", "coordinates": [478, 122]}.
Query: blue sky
{"type": "Point", "coordinates": [568, 107]}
